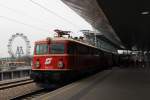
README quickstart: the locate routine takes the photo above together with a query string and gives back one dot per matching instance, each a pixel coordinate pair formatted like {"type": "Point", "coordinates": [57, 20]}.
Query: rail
{"type": "Point", "coordinates": [18, 88]}
{"type": "Point", "coordinates": [15, 83]}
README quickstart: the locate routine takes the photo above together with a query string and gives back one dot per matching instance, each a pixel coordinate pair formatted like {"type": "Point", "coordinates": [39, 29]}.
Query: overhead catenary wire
{"type": "Point", "coordinates": [52, 12]}
{"type": "Point", "coordinates": [23, 14]}
{"type": "Point", "coordinates": [19, 22]}
{"type": "Point", "coordinates": [26, 15]}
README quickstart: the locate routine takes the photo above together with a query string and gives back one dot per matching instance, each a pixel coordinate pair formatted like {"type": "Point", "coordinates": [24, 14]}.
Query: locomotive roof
{"type": "Point", "coordinates": [77, 41]}
{"type": "Point", "coordinates": [63, 39]}
{"type": "Point", "coordinates": [67, 39]}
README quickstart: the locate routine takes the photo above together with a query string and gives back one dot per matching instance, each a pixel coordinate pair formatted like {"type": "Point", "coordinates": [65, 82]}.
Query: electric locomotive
{"type": "Point", "coordinates": [62, 58]}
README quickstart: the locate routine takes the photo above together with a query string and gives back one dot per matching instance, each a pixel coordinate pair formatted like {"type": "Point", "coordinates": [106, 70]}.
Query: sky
{"type": "Point", "coordinates": [36, 19]}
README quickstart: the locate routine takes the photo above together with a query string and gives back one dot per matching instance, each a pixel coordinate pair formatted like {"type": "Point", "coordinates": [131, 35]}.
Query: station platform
{"type": "Point", "coordinates": [115, 84]}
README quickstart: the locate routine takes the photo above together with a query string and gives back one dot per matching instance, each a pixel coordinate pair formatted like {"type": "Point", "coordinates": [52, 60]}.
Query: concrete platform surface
{"type": "Point", "coordinates": [115, 84]}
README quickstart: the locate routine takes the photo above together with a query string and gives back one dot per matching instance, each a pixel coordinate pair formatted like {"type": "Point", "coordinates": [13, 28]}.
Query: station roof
{"type": "Point", "coordinates": [124, 22]}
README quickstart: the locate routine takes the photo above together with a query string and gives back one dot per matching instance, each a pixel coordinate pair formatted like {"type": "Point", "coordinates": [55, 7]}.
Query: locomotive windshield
{"type": "Point", "coordinates": [41, 49]}
{"type": "Point", "coordinates": [57, 48]}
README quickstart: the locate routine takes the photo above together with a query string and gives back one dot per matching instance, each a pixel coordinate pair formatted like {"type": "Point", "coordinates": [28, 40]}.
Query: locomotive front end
{"type": "Point", "coordinates": [50, 61]}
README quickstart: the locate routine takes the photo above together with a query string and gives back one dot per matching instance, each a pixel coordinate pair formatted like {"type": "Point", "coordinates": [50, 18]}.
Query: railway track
{"type": "Point", "coordinates": [15, 84]}
{"type": "Point", "coordinates": [47, 87]}
{"type": "Point", "coordinates": [26, 89]}
{"type": "Point", "coordinates": [10, 90]}
{"type": "Point", "coordinates": [39, 94]}
{"type": "Point", "coordinates": [32, 95]}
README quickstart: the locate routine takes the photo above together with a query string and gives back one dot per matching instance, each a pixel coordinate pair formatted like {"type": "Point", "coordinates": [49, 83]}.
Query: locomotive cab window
{"type": "Point", "coordinates": [41, 49]}
{"type": "Point", "coordinates": [57, 48]}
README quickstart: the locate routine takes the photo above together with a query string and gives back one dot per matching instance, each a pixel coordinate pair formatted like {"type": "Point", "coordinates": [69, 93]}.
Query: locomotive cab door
{"type": "Point", "coordinates": [72, 55]}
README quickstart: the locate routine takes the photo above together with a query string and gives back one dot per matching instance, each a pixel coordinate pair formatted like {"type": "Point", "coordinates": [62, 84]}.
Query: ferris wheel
{"type": "Point", "coordinates": [19, 50]}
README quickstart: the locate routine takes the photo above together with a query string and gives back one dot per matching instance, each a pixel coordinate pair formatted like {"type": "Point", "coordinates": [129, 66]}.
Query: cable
{"type": "Point", "coordinates": [23, 14]}
{"type": "Point", "coordinates": [14, 20]}
{"type": "Point", "coordinates": [48, 10]}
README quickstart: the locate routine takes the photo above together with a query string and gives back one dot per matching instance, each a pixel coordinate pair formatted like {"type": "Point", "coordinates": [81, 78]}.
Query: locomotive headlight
{"type": "Point", "coordinates": [37, 64]}
{"type": "Point", "coordinates": [60, 64]}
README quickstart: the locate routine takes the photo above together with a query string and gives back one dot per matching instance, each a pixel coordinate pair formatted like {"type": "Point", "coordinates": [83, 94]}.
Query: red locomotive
{"type": "Point", "coordinates": [62, 58]}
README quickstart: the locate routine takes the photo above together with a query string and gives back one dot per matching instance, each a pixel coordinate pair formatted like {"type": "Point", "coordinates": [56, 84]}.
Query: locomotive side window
{"type": "Point", "coordinates": [72, 48]}
{"type": "Point", "coordinates": [57, 48]}
{"type": "Point", "coordinates": [41, 49]}
{"type": "Point", "coordinates": [81, 49]}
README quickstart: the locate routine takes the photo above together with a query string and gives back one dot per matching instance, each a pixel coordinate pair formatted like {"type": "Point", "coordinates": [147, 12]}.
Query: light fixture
{"type": "Point", "coordinates": [145, 12]}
